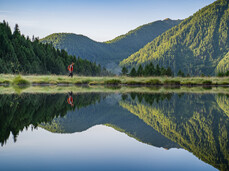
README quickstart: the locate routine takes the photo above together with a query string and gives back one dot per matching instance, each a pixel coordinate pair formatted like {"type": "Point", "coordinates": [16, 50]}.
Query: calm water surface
{"type": "Point", "coordinates": [101, 131]}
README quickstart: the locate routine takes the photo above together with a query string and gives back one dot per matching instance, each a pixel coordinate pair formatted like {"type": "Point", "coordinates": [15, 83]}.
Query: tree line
{"type": "Point", "coordinates": [148, 70]}
{"type": "Point", "coordinates": [19, 54]}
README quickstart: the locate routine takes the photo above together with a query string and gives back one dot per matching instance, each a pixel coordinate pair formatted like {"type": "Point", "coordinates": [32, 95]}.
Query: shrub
{"type": "Point", "coordinates": [154, 82]}
{"type": "Point", "coordinates": [207, 82]}
{"type": "Point", "coordinates": [20, 81]}
{"type": "Point", "coordinates": [189, 83]}
{"type": "Point", "coordinates": [5, 82]}
{"type": "Point", "coordinates": [112, 82]}
{"type": "Point", "coordinates": [172, 82]}
{"type": "Point", "coordinates": [134, 83]}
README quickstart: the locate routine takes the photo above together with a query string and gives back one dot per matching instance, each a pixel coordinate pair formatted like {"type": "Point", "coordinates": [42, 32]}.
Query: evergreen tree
{"type": "Point", "coordinates": [133, 72]}
{"type": "Point", "coordinates": [140, 71]}
{"type": "Point", "coordinates": [158, 70]}
{"type": "Point", "coordinates": [124, 70]}
{"type": "Point", "coordinates": [180, 74]}
{"type": "Point", "coordinates": [169, 72]}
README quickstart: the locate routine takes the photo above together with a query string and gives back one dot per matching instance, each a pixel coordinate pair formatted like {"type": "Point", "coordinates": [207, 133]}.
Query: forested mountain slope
{"type": "Point", "coordinates": [196, 45]}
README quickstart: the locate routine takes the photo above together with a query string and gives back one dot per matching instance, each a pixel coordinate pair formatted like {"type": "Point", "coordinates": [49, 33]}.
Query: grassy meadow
{"type": "Point", "coordinates": [116, 80]}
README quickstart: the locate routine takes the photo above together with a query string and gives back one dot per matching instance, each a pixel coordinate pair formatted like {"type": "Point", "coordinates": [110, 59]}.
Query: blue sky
{"type": "Point", "coordinates": [100, 20]}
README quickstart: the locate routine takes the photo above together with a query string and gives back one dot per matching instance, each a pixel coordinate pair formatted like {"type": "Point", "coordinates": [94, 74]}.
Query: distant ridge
{"type": "Point", "coordinates": [109, 53]}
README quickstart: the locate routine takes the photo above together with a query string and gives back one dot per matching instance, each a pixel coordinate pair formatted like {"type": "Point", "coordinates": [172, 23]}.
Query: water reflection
{"type": "Point", "coordinates": [198, 123]}
{"type": "Point", "coordinates": [20, 111]}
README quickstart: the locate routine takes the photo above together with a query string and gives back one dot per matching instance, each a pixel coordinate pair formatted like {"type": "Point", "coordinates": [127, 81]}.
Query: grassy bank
{"type": "Point", "coordinates": [65, 80]}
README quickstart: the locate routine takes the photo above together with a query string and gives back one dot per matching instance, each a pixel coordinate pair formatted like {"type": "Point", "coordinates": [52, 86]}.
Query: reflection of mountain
{"type": "Point", "coordinates": [19, 111]}
{"type": "Point", "coordinates": [195, 122]}
{"type": "Point", "coordinates": [110, 113]}
{"type": "Point", "coordinates": [223, 102]}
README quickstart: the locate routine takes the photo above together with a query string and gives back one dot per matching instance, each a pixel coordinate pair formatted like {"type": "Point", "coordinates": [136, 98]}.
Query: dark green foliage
{"type": "Point", "coordinates": [134, 83]}
{"type": "Point", "coordinates": [207, 82]}
{"type": "Point", "coordinates": [140, 71]}
{"type": "Point", "coordinates": [169, 72]}
{"type": "Point", "coordinates": [124, 70]}
{"type": "Point", "coordinates": [197, 45]}
{"type": "Point", "coordinates": [113, 82]}
{"type": "Point", "coordinates": [154, 82]}
{"type": "Point", "coordinates": [20, 81]}
{"type": "Point", "coordinates": [133, 72]}
{"type": "Point", "coordinates": [149, 70]}
{"type": "Point", "coordinates": [109, 53]}
{"type": "Point", "coordinates": [222, 74]}
{"type": "Point", "coordinates": [172, 82]}
{"type": "Point", "coordinates": [21, 55]}
{"type": "Point", "coordinates": [180, 74]}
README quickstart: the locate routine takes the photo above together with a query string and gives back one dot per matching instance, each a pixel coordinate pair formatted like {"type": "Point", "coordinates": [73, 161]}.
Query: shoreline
{"type": "Point", "coordinates": [62, 80]}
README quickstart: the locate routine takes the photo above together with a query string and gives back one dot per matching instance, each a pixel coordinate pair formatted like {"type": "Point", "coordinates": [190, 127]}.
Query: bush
{"type": "Point", "coordinates": [154, 82]}
{"type": "Point", "coordinates": [207, 82]}
{"type": "Point", "coordinates": [189, 83]}
{"type": "Point", "coordinates": [5, 82]}
{"type": "Point", "coordinates": [20, 81]}
{"type": "Point", "coordinates": [113, 82]}
{"type": "Point", "coordinates": [172, 82]}
{"type": "Point", "coordinates": [134, 83]}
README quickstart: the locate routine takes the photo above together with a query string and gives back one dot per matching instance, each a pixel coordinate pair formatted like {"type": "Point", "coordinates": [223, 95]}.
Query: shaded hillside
{"type": "Point", "coordinates": [195, 122]}
{"type": "Point", "coordinates": [195, 46]}
{"type": "Point", "coordinates": [22, 55]}
{"type": "Point", "coordinates": [109, 53]}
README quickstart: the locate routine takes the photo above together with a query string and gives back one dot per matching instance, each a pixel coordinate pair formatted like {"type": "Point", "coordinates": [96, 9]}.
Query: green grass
{"type": "Point", "coordinates": [122, 80]}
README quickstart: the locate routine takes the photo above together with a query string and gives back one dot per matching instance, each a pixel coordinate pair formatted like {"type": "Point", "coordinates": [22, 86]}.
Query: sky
{"type": "Point", "coordinates": [100, 20]}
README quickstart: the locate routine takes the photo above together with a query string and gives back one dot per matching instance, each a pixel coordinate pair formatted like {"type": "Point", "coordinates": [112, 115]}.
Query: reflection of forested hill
{"type": "Point", "coordinates": [223, 102]}
{"type": "Point", "coordinates": [195, 122]}
{"type": "Point", "coordinates": [19, 111]}
{"type": "Point", "coordinates": [110, 113]}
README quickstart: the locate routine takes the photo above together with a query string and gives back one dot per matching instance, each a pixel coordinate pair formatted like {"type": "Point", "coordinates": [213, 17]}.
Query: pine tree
{"type": "Point", "coordinates": [124, 70]}
{"type": "Point", "coordinates": [180, 74]}
{"type": "Point", "coordinates": [133, 72]}
{"type": "Point", "coordinates": [169, 72]}
{"type": "Point", "coordinates": [140, 71]}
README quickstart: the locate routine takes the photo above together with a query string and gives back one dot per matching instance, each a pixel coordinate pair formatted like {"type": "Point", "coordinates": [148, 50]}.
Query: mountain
{"type": "Point", "coordinates": [109, 53]}
{"type": "Point", "coordinates": [21, 55]}
{"type": "Point", "coordinates": [197, 45]}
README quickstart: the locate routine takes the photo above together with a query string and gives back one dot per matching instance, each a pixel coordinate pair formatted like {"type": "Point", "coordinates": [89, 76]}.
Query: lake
{"type": "Point", "coordinates": [114, 131]}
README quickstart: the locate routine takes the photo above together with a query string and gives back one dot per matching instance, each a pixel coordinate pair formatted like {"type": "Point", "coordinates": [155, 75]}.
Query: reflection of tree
{"type": "Point", "coordinates": [195, 122]}
{"type": "Point", "coordinates": [149, 98]}
{"type": "Point", "coordinates": [20, 111]}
